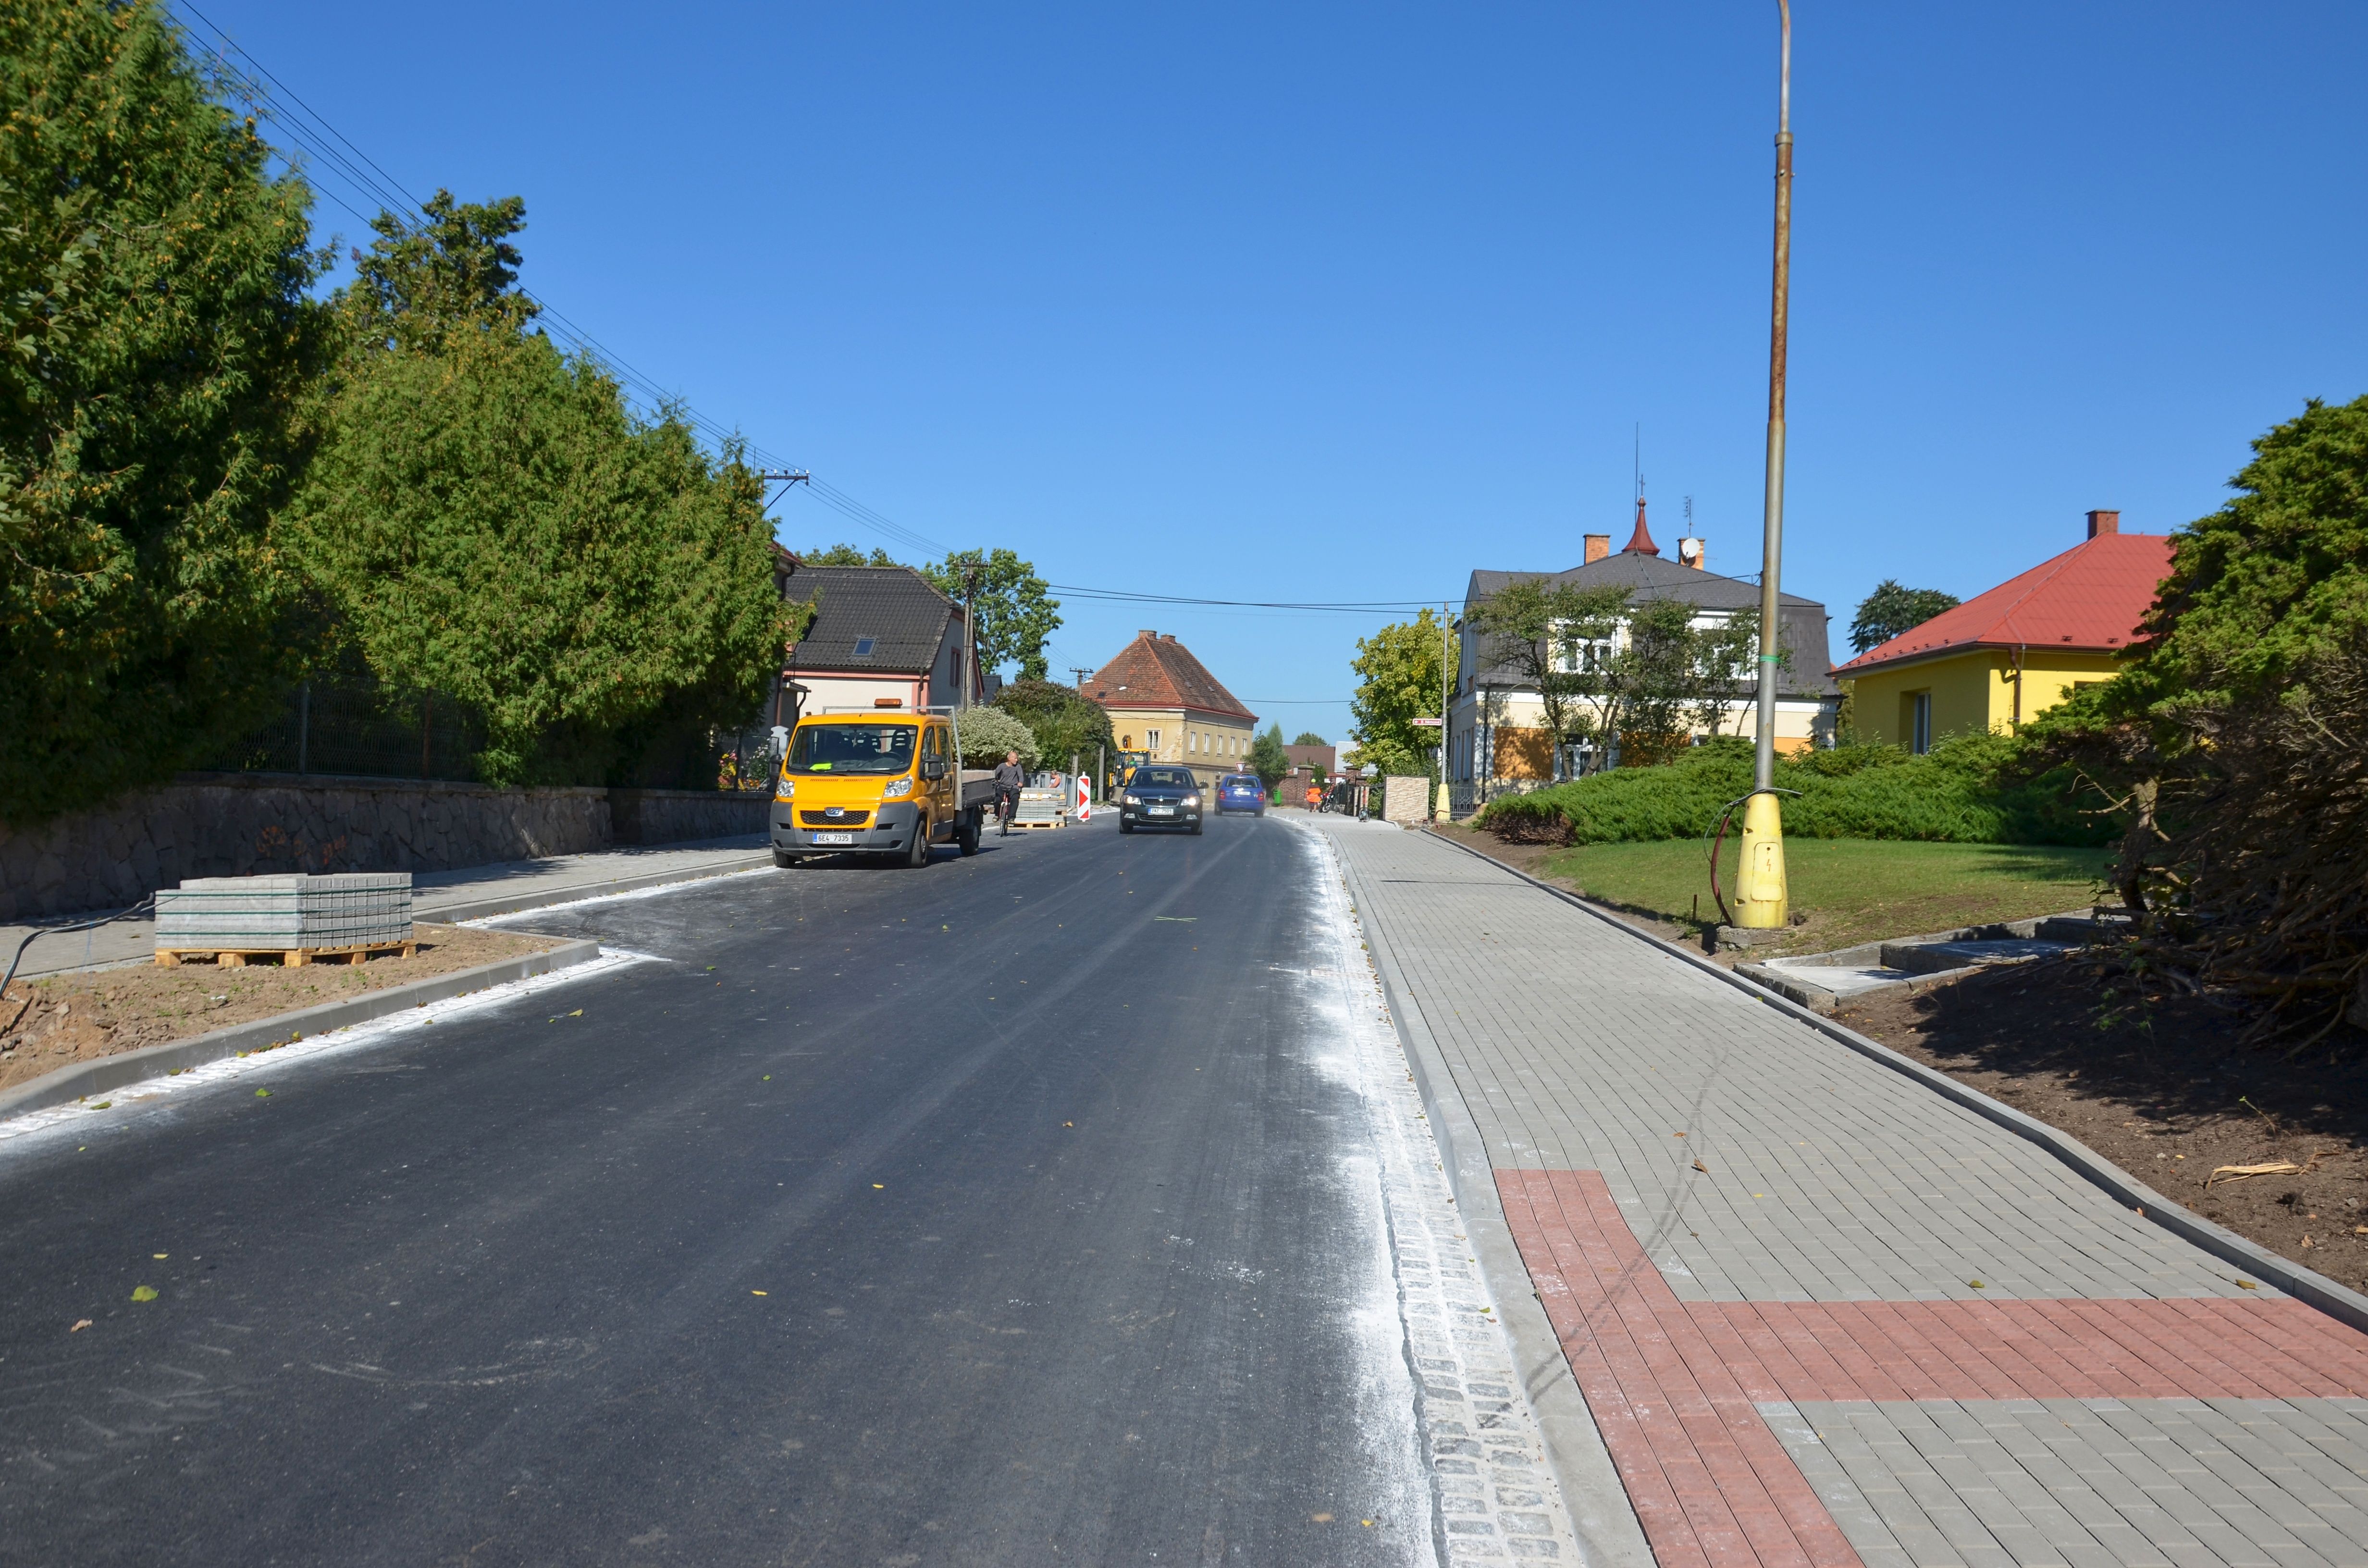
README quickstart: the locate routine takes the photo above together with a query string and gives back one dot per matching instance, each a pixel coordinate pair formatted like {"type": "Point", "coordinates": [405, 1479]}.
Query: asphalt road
{"type": "Point", "coordinates": [995, 1213]}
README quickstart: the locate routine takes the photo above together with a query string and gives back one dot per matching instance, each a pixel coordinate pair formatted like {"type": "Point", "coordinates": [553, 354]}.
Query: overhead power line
{"type": "Point", "coordinates": [1371, 607]}
{"type": "Point", "coordinates": [329, 151]}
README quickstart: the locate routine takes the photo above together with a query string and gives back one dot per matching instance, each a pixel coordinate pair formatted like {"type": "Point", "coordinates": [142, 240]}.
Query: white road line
{"type": "Point", "coordinates": [118, 1110]}
{"type": "Point", "coordinates": [661, 888]}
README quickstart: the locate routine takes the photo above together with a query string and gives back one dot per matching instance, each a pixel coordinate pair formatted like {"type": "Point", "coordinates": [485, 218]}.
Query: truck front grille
{"type": "Point", "coordinates": [844, 819]}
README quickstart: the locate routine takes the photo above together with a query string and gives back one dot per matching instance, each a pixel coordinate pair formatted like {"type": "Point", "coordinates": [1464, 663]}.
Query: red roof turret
{"type": "Point", "coordinates": [1641, 541]}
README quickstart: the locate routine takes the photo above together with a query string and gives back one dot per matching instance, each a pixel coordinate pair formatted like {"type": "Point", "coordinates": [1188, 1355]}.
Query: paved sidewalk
{"type": "Point", "coordinates": [1821, 1314]}
{"type": "Point", "coordinates": [469, 894]}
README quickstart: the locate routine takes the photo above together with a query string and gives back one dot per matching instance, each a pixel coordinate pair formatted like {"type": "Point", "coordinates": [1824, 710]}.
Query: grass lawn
{"type": "Point", "coordinates": [1852, 889]}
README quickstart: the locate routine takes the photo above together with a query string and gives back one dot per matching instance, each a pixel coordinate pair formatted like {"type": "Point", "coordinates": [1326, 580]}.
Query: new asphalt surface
{"type": "Point", "coordinates": [994, 1212]}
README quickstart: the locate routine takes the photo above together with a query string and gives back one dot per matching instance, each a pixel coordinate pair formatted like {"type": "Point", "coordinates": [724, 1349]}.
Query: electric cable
{"type": "Point", "coordinates": [10, 978]}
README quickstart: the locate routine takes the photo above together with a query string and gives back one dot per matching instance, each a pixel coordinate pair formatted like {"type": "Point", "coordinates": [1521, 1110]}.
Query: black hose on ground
{"type": "Point", "coordinates": [9, 979]}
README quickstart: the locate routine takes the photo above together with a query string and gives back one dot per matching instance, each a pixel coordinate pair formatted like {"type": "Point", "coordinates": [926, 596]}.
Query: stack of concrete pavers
{"type": "Point", "coordinates": [290, 913]}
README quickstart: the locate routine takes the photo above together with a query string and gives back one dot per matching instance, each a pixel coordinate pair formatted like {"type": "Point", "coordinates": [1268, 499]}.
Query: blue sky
{"type": "Point", "coordinates": [1337, 302]}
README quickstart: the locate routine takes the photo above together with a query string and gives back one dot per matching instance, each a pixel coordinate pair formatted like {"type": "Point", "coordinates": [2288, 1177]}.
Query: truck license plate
{"type": "Point", "coordinates": [1163, 811]}
{"type": "Point", "coordinates": [834, 838]}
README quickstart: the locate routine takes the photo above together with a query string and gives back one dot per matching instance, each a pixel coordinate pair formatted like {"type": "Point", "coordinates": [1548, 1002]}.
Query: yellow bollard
{"type": "Point", "coordinates": [1761, 903]}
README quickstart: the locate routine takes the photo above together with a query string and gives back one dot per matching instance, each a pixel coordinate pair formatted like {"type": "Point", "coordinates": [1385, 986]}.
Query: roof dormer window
{"type": "Point", "coordinates": [863, 647]}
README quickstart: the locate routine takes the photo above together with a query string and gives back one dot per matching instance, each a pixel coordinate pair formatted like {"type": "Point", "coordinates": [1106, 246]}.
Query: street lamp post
{"type": "Point", "coordinates": [1762, 901]}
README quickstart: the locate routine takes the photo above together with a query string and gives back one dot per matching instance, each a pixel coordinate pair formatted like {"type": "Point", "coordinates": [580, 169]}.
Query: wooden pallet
{"type": "Point", "coordinates": [1053, 822]}
{"type": "Point", "coordinates": [290, 958]}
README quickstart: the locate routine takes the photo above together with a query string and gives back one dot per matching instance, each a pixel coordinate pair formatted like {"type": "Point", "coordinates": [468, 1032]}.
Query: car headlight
{"type": "Point", "coordinates": [1192, 800]}
{"type": "Point", "coordinates": [1133, 800]}
{"type": "Point", "coordinates": [897, 789]}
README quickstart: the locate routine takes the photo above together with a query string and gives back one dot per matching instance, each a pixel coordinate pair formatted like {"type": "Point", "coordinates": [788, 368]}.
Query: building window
{"type": "Point", "coordinates": [1151, 740]}
{"type": "Point", "coordinates": [1921, 725]}
{"type": "Point", "coordinates": [863, 646]}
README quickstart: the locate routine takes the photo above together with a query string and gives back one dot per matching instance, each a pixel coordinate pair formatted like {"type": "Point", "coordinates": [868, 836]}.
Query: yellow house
{"type": "Point", "coordinates": [1164, 702]}
{"type": "Point", "coordinates": [2014, 652]}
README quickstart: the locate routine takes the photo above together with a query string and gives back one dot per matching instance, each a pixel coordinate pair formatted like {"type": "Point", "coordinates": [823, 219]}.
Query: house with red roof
{"type": "Point", "coordinates": [2015, 650]}
{"type": "Point", "coordinates": [1166, 706]}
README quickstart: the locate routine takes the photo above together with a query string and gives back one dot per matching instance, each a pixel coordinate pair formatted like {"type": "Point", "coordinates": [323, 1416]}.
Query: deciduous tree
{"type": "Point", "coordinates": [1398, 682]}
{"type": "Point", "coordinates": [1268, 759]}
{"type": "Point", "coordinates": [1065, 725]}
{"type": "Point", "coordinates": [1014, 606]}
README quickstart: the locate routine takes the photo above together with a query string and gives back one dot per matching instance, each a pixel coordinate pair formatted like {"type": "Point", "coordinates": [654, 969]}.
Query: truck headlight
{"type": "Point", "coordinates": [897, 789]}
{"type": "Point", "coordinates": [783, 791]}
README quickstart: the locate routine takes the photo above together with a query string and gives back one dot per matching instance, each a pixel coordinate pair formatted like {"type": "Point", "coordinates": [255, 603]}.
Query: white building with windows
{"type": "Point", "coordinates": [1496, 736]}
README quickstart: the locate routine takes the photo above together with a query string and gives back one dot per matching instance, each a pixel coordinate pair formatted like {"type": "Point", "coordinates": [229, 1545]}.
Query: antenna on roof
{"type": "Point", "coordinates": [1639, 461]}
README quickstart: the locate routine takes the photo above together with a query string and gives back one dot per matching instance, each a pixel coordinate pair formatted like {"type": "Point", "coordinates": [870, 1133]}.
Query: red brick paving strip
{"type": "Point", "coordinates": [1673, 1384]}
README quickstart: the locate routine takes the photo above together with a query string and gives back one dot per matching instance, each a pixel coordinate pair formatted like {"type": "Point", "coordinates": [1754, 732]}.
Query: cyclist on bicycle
{"type": "Point", "coordinates": [1009, 780]}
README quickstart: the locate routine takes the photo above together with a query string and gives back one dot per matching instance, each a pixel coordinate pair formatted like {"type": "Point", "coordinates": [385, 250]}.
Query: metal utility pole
{"type": "Point", "coordinates": [1081, 672]}
{"type": "Point", "coordinates": [1443, 812]}
{"type": "Point", "coordinates": [969, 630]}
{"type": "Point", "coordinates": [1763, 902]}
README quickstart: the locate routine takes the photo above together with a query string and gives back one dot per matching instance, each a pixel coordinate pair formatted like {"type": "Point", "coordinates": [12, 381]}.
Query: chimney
{"type": "Point", "coordinates": [1168, 637]}
{"type": "Point", "coordinates": [1146, 632]}
{"type": "Point", "coordinates": [1641, 541]}
{"type": "Point", "coordinates": [2101, 523]}
{"type": "Point", "coordinates": [1691, 553]}
{"type": "Point", "coordinates": [1597, 547]}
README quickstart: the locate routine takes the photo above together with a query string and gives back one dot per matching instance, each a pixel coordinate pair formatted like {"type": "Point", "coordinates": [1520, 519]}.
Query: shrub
{"type": "Point", "coordinates": [1064, 723]}
{"type": "Point", "coordinates": [1963, 791]}
{"type": "Point", "coordinates": [988, 733]}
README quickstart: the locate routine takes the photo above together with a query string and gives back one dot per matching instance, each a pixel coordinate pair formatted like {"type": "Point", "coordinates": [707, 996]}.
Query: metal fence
{"type": "Point", "coordinates": [338, 728]}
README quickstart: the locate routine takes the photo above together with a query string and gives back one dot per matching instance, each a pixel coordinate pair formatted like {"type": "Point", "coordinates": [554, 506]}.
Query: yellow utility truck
{"type": "Point", "coordinates": [877, 782]}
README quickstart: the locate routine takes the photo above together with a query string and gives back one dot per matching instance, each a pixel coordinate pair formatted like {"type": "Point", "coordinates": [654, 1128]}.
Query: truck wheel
{"type": "Point", "coordinates": [966, 835]}
{"type": "Point", "coordinates": [784, 860]}
{"type": "Point", "coordinates": [917, 854]}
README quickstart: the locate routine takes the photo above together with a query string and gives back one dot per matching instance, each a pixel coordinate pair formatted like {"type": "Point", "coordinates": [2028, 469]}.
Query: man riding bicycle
{"type": "Point", "coordinates": [1009, 780]}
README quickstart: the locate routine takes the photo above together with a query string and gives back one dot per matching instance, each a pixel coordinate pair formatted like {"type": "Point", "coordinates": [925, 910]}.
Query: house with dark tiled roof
{"type": "Point", "coordinates": [2004, 655]}
{"type": "Point", "coordinates": [1496, 732]}
{"type": "Point", "coordinates": [1165, 706]}
{"type": "Point", "coordinates": [883, 638]}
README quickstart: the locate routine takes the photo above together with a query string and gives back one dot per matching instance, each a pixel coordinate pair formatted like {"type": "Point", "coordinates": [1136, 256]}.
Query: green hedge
{"type": "Point", "coordinates": [1963, 791]}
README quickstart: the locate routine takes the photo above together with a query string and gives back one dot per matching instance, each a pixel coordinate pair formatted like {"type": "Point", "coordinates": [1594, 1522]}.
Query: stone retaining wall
{"type": "Point", "coordinates": [228, 824]}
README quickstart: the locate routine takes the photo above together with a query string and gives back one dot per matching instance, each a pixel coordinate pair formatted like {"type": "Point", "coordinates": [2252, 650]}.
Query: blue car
{"type": "Point", "coordinates": [1241, 792]}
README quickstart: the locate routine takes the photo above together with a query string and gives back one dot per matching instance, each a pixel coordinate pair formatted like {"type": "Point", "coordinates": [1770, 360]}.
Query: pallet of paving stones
{"type": "Point", "coordinates": [292, 958]}
{"type": "Point", "coordinates": [301, 916]}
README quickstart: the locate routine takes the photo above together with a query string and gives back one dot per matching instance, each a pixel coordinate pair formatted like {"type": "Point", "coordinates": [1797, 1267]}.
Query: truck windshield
{"type": "Point", "coordinates": [851, 748]}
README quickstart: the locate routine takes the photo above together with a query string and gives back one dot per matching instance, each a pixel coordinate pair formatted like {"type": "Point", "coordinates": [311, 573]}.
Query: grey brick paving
{"type": "Point", "coordinates": [1895, 1477]}
{"type": "Point", "coordinates": [1832, 1179]}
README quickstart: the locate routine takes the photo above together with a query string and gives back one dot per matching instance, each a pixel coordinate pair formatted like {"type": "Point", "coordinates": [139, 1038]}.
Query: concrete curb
{"type": "Point", "coordinates": [83, 1079]}
{"type": "Point", "coordinates": [1610, 1535]}
{"type": "Point", "coordinates": [520, 902]}
{"type": "Point", "coordinates": [2346, 1306]}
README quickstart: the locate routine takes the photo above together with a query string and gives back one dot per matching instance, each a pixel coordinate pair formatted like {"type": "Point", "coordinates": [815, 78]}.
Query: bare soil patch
{"type": "Point", "coordinates": [61, 1019]}
{"type": "Point", "coordinates": [2156, 1082]}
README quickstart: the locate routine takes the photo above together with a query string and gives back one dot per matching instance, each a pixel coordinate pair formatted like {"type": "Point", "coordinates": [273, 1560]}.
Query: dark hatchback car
{"type": "Point", "coordinates": [1241, 792]}
{"type": "Point", "coordinates": [1160, 797]}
